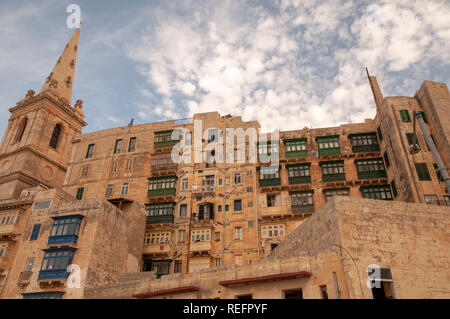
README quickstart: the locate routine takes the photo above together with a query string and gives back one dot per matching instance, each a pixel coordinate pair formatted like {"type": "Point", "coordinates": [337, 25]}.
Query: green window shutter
{"type": "Point", "coordinates": [80, 192]}
{"type": "Point", "coordinates": [394, 189]}
{"type": "Point", "coordinates": [422, 172]}
{"type": "Point", "coordinates": [424, 117]}
{"type": "Point", "coordinates": [201, 212]}
{"type": "Point", "coordinates": [380, 135]}
{"type": "Point", "coordinates": [411, 137]}
{"type": "Point", "coordinates": [386, 159]}
{"type": "Point", "coordinates": [404, 115]}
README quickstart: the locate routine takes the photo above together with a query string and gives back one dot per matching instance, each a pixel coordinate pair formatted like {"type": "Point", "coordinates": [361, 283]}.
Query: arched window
{"type": "Point", "coordinates": [55, 136]}
{"type": "Point", "coordinates": [21, 130]}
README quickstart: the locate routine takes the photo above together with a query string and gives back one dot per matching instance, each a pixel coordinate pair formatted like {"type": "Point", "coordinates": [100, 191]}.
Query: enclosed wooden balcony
{"type": "Point", "coordinates": [156, 249]}
{"type": "Point", "coordinates": [198, 246]}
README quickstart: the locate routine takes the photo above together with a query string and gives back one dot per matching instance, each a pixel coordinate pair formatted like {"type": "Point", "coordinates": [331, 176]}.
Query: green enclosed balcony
{"type": "Point", "coordinates": [370, 168]}
{"type": "Point", "coordinates": [299, 174]}
{"type": "Point", "coordinates": [365, 142]}
{"type": "Point", "coordinates": [372, 175]}
{"type": "Point", "coordinates": [270, 182]}
{"type": "Point", "coordinates": [269, 176]}
{"type": "Point", "coordinates": [333, 177]}
{"type": "Point", "coordinates": [329, 145]}
{"type": "Point", "coordinates": [164, 139]}
{"type": "Point", "coordinates": [162, 186]}
{"type": "Point", "coordinates": [160, 213]}
{"type": "Point", "coordinates": [333, 171]}
{"type": "Point", "coordinates": [296, 148]}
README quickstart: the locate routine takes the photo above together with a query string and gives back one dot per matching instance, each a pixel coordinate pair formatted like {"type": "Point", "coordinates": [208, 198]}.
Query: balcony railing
{"type": "Point", "coordinates": [9, 229]}
{"type": "Point", "coordinates": [333, 177]}
{"type": "Point", "coordinates": [303, 209]}
{"type": "Point", "coordinates": [366, 148]}
{"type": "Point", "coordinates": [161, 192]}
{"type": "Point", "coordinates": [53, 274]}
{"type": "Point", "coordinates": [372, 175]}
{"type": "Point", "coordinates": [163, 248]}
{"type": "Point", "coordinates": [62, 239]}
{"type": "Point", "coordinates": [162, 219]}
{"type": "Point", "coordinates": [274, 211]}
{"type": "Point", "coordinates": [300, 180]}
{"type": "Point", "coordinates": [200, 246]}
{"type": "Point", "coordinates": [329, 151]}
{"type": "Point", "coordinates": [269, 182]}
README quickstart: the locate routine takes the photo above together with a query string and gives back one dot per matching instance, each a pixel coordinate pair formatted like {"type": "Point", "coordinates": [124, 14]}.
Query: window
{"type": "Point", "coordinates": [163, 160]}
{"type": "Point", "coordinates": [4, 250]}
{"type": "Point", "coordinates": [377, 192]}
{"type": "Point", "coordinates": [84, 171]}
{"type": "Point", "coordinates": [272, 231]}
{"type": "Point", "coordinates": [370, 168]}
{"type": "Point", "coordinates": [206, 211]}
{"type": "Point", "coordinates": [217, 234]}
{"type": "Point", "coordinates": [249, 204]}
{"type": "Point", "coordinates": [29, 265]}
{"type": "Point", "coordinates": [55, 263]}
{"type": "Point", "coordinates": [438, 173]}
{"type": "Point", "coordinates": [237, 233]}
{"type": "Point", "coordinates": [35, 232]}
{"type": "Point", "coordinates": [55, 136]}
{"type": "Point", "coordinates": [65, 230]}
{"type": "Point", "coordinates": [188, 139]}
{"type": "Point", "coordinates": [183, 210]}
{"type": "Point", "coordinates": [129, 165]}
{"type": "Point", "coordinates": [394, 189]}
{"type": "Point", "coordinates": [201, 235]}
{"type": "Point", "coordinates": [431, 199]}
{"type": "Point", "coordinates": [293, 294]}
{"type": "Point", "coordinates": [386, 160]}
{"type": "Point", "coordinates": [177, 266]}
{"type": "Point", "coordinates": [380, 135]}
{"type": "Point", "coordinates": [43, 204]}
{"type": "Point", "coordinates": [90, 151]}
{"type": "Point", "coordinates": [323, 292]}
{"type": "Point", "coordinates": [157, 238]}
{"type": "Point", "coordinates": [271, 201]}
{"type": "Point", "coordinates": [160, 209]}
{"type": "Point", "coordinates": [269, 176]}
{"type": "Point", "coordinates": [250, 224]}
{"type": "Point", "coordinates": [80, 192]}
{"type": "Point", "coordinates": [161, 267]}
{"type": "Point", "coordinates": [328, 145]}
{"type": "Point", "coordinates": [196, 265]}
{"type": "Point", "coordinates": [237, 178]}
{"type": "Point", "coordinates": [249, 189]}
{"type": "Point", "coordinates": [335, 192]}
{"type": "Point", "coordinates": [181, 236]}
{"type": "Point", "coordinates": [125, 188]}
{"type": "Point", "coordinates": [161, 137]}
{"type": "Point", "coordinates": [302, 202]}
{"type": "Point", "coordinates": [219, 182]}
{"type": "Point", "coordinates": [422, 172]}
{"type": "Point", "coordinates": [333, 171]}
{"type": "Point", "coordinates": [296, 148]}
{"type": "Point", "coordinates": [249, 173]}
{"type": "Point", "coordinates": [132, 145]}
{"type": "Point", "coordinates": [238, 260]}
{"type": "Point", "coordinates": [109, 190]}
{"type": "Point", "coordinates": [237, 205]}
{"type": "Point", "coordinates": [366, 142]}
{"type": "Point", "coordinates": [162, 183]}
{"type": "Point", "coordinates": [21, 130]}
{"type": "Point", "coordinates": [185, 184]}
{"type": "Point", "coordinates": [213, 135]}
{"type": "Point", "coordinates": [219, 208]}
{"type": "Point", "coordinates": [118, 146]}
{"type": "Point", "coordinates": [411, 137]}
{"type": "Point", "coordinates": [227, 208]}
{"type": "Point", "coordinates": [404, 115]}
{"type": "Point", "coordinates": [268, 148]}
{"type": "Point", "coordinates": [9, 218]}
{"type": "Point", "coordinates": [299, 174]}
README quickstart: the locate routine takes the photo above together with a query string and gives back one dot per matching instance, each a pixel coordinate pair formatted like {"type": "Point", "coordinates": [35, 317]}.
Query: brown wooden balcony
{"type": "Point", "coordinates": [164, 170]}
{"type": "Point", "coordinates": [156, 249]}
{"type": "Point", "coordinates": [9, 231]}
{"type": "Point", "coordinates": [274, 211]}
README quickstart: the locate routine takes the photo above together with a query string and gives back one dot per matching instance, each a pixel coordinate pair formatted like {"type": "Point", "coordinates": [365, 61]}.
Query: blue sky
{"type": "Point", "coordinates": [286, 63]}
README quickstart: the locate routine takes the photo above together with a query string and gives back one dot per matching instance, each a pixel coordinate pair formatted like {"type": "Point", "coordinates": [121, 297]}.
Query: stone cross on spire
{"type": "Point", "coordinates": [60, 81]}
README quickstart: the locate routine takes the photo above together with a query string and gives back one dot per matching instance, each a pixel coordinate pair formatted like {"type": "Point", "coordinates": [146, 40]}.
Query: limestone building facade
{"type": "Point", "coordinates": [208, 210]}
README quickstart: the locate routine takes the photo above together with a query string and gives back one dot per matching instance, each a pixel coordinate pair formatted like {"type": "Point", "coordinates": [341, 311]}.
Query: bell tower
{"type": "Point", "coordinates": [37, 143]}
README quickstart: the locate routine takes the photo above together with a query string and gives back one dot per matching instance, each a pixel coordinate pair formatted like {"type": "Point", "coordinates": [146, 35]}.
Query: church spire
{"type": "Point", "coordinates": [60, 81]}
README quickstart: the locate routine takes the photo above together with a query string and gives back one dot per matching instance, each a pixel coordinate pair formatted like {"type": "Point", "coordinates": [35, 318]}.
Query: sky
{"type": "Point", "coordinates": [289, 64]}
